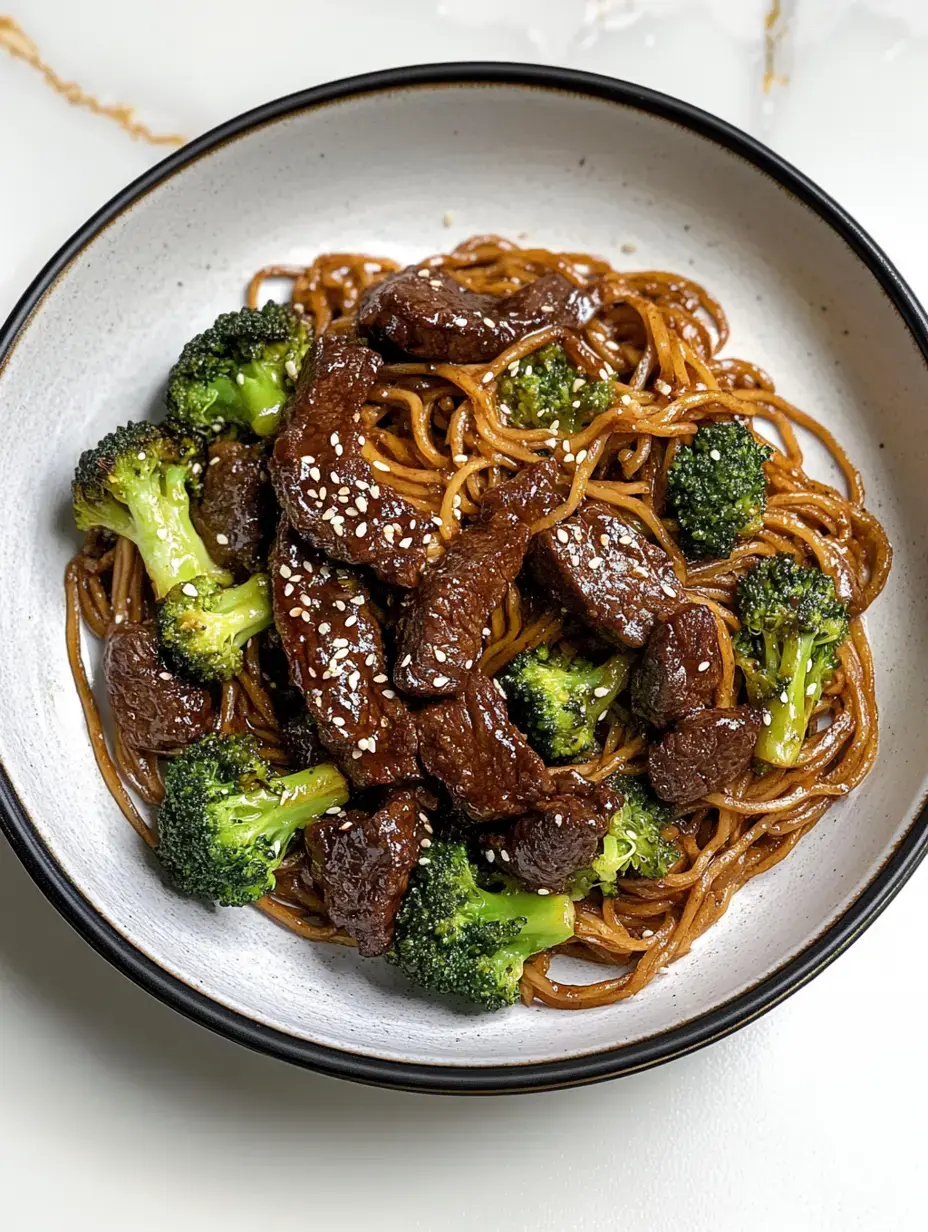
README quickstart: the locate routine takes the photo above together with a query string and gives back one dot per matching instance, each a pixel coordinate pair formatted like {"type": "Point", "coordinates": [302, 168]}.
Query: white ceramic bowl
{"type": "Point", "coordinates": [383, 164]}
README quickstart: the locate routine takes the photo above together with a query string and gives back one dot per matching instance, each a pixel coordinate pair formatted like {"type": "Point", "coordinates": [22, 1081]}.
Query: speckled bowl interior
{"type": "Point", "coordinates": [404, 172]}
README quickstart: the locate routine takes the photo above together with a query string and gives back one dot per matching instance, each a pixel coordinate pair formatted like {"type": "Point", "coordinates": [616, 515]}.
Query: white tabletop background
{"type": "Point", "coordinates": [115, 1112]}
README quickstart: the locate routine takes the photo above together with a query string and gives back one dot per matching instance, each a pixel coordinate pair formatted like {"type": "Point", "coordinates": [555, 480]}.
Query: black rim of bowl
{"type": "Point", "coordinates": [498, 1079]}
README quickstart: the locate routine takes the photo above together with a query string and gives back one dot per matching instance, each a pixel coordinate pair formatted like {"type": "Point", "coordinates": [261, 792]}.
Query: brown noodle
{"type": "Point", "coordinates": [436, 432]}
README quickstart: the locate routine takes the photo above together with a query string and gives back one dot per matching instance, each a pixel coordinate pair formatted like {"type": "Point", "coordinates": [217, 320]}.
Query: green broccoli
{"type": "Point", "coordinates": [453, 937]}
{"type": "Point", "coordinates": [203, 626]}
{"type": "Point", "coordinates": [634, 842]}
{"type": "Point", "coordinates": [558, 702]}
{"type": "Point", "coordinates": [134, 483]}
{"type": "Point", "coordinates": [544, 388]}
{"type": "Point", "coordinates": [240, 371]}
{"type": "Point", "coordinates": [226, 820]}
{"type": "Point", "coordinates": [792, 624]}
{"type": "Point", "coordinates": [717, 489]}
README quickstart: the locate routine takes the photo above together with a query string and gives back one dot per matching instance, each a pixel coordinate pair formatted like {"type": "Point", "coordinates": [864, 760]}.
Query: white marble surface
{"type": "Point", "coordinates": [113, 1109]}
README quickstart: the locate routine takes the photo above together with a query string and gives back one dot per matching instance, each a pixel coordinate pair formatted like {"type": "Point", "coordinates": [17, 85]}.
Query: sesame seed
{"type": "Point", "coordinates": [576, 404]}
{"type": "Point", "coordinates": [389, 694]}
{"type": "Point", "coordinates": [339, 450]}
{"type": "Point", "coordinates": [528, 369]}
{"type": "Point", "coordinates": [380, 466]}
{"type": "Point", "coordinates": [568, 457]}
{"type": "Point", "coordinates": [305, 600]}
{"type": "Point", "coordinates": [288, 590]}
{"type": "Point", "coordinates": [291, 369]}
{"type": "Point", "coordinates": [355, 754]}
{"type": "Point", "coordinates": [351, 622]}
{"type": "Point", "coordinates": [407, 659]}
{"type": "Point", "coordinates": [647, 932]}
{"type": "Point", "coordinates": [189, 589]}
{"type": "Point", "coordinates": [324, 627]}
{"type": "Point", "coordinates": [668, 590]}
{"type": "Point", "coordinates": [499, 688]}
{"type": "Point", "coordinates": [295, 611]}
{"type": "Point", "coordinates": [626, 399]}
{"type": "Point", "coordinates": [715, 455]}
{"type": "Point", "coordinates": [486, 632]}
{"type": "Point", "coordinates": [423, 817]}
{"type": "Point", "coordinates": [595, 563]}
{"type": "Point", "coordinates": [425, 842]}
{"type": "Point", "coordinates": [810, 690]}
{"type": "Point", "coordinates": [315, 473]}
{"type": "Point", "coordinates": [362, 440]}
{"type": "Point", "coordinates": [602, 691]}
{"type": "Point", "coordinates": [439, 682]}
{"type": "Point", "coordinates": [423, 273]}
{"type": "Point", "coordinates": [551, 442]}
{"type": "Point", "coordinates": [626, 540]}
{"type": "Point", "coordinates": [603, 374]}
{"type": "Point", "coordinates": [489, 323]}
{"type": "Point", "coordinates": [339, 605]}
{"type": "Point", "coordinates": [371, 659]}
{"type": "Point", "coordinates": [141, 455]}
{"type": "Point", "coordinates": [354, 680]}
{"type": "Point", "coordinates": [361, 503]}
{"type": "Point", "coordinates": [504, 856]}
{"type": "Point", "coordinates": [440, 655]}
{"type": "Point", "coordinates": [784, 697]}
{"type": "Point", "coordinates": [425, 860]}
{"type": "Point", "coordinates": [375, 491]}
{"type": "Point", "coordinates": [340, 641]}
{"type": "Point", "coordinates": [460, 459]}
{"type": "Point", "coordinates": [581, 456]}
{"type": "Point", "coordinates": [491, 855]}
{"type": "Point", "coordinates": [164, 675]}
{"type": "Point", "coordinates": [388, 534]}
{"type": "Point", "coordinates": [222, 540]}
{"type": "Point", "coordinates": [406, 542]}
{"type": "Point", "coordinates": [118, 618]}
{"type": "Point", "coordinates": [380, 678]}
{"type": "Point", "coordinates": [351, 511]}
{"type": "Point", "coordinates": [460, 322]}
{"type": "Point", "coordinates": [639, 571]}
{"type": "Point", "coordinates": [346, 825]}
{"type": "Point", "coordinates": [328, 514]}
{"type": "Point", "coordinates": [436, 282]}
{"type": "Point", "coordinates": [358, 600]}
{"type": "Point", "coordinates": [214, 461]}
{"type": "Point", "coordinates": [486, 378]}
{"type": "Point", "coordinates": [543, 891]}
{"type": "Point", "coordinates": [808, 665]}
{"type": "Point", "coordinates": [338, 721]}
{"type": "Point", "coordinates": [563, 535]}
{"type": "Point", "coordinates": [361, 530]}
{"type": "Point", "coordinates": [602, 716]}
{"type": "Point", "coordinates": [305, 617]}
{"type": "Point", "coordinates": [240, 378]}
{"type": "Point", "coordinates": [768, 718]}
{"type": "Point", "coordinates": [468, 665]}
{"type": "Point", "coordinates": [703, 666]}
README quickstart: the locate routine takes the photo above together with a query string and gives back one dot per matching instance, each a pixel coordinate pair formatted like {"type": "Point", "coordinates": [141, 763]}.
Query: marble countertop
{"type": "Point", "coordinates": [113, 1109]}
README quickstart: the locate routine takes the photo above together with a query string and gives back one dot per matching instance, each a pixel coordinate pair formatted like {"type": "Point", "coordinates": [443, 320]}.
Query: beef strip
{"type": "Point", "coordinates": [300, 737]}
{"type": "Point", "coordinates": [681, 666]}
{"type": "Point", "coordinates": [234, 515]}
{"type": "Point", "coordinates": [486, 764]}
{"type": "Point", "coordinates": [362, 863]}
{"type": "Point", "coordinates": [428, 315]}
{"type": "Point", "coordinates": [336, 657]}
{"type": "Point", "coordinates": [703, 752]}
{"type": "Point", "coordinates": [607, 572]}
{"type": "Point", "coordinates": [155, 710]}
{"type": "Point", "coordinates": [560, 836]}
{"type": "Point", "coordinates": [331, 494]}
{"type": "Point", "coordinates": [440, 636]}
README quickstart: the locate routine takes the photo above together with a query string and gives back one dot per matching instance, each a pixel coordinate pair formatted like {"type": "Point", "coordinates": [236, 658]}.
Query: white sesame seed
{"type": "Point", "coordinates": [305, 617]}
{"type": "Point", "coordinates": [703, 666]}
{"type": "Point", "coordinates": [324, 627]}
{"type": "Point", "coordinates": [563, 535]}
{"type": "Point", "coordinates": [808, 665]}
{"type": "Point", "coordinates": [338, 721]}
{"type": "Point", "coordinates": [339, 605]}
{"type": "Point", "coordinates": [551, 442]}
{"type": "Point", "coordinates": [388, 534]}
{"type": "Point", "coordinates": [375, 491]}
{"type": "Point", "coordinates": [356, 754]}
{"type": "Point", "coordinates": [425, 860]}
{"type": "Point", "coordinates": [380, 678]}
{"type": "Point", "coordinates": [576, 404]}
{"type": "Point", "coordinates": [595, 563]}
{"type": "Point", "coordinates": [489, 323]}
{"type": "Point", "coordinates": [240, 378]}
{"type": "Point", "coordinates": [389, 694]}
{"type": "Point", "coordinates": [460, 322]}
{"type": "Point", "coordinates": [215, 461]}
{"type": "Point", "coordinates": [189, 589]}
{"type": "Point", "coordinates": [504, 856]}
{"type": "Point", "coordinates": [439, 682]}
{"type": "Point", "coordinates": [361, 530]}
{"type": "Point", "coordinates": [490, 855]}
{"type": "Point", "coordinates": [406, 542]}
{"type": "Point", "coordinates": [486, 378]}
{"type": "Point", "coordinates": [118, 618]}
{"type": "Point", "coordinates": [668, 590]}
{"type": "Point", "coordinates": [603, 374]}
{"type": "Point", "coordinates": [639, 571]}
{"type": "Point", "coordinates": [380, 466]}
{"type": "Point", "coordinates": [543, 891]}
{"type": "Point", "coordinates": [581, 456]}
{"type": "Point", "coordinates": [460, 459]}
{"type": "Point", "coordinates": [222, 540]}
{"type": "Point", "coordinates": [295, 611]}
{"type": "Point", "coordinates": [351, 622]}
{"type": "Point", "coordinates": [810, 690]}
{"type": "Point", "coordinates": [715, 455]}
{"type": "Point", "coordinates": [602, 691]}
{"type": "Point", "coordinates": [768, 718]}
{"type": "Point", "coordinates": [499, 688]}
{"type": "Point", "coordinates": [315, 473]}
{"type": "Point", "coordinates": [626, 540]}
{"type": "Point", "coordinates": [164, 675]}
{"type": "Point", "coordinates": [288, 590]}
{"type": "Point", "coordinates": [568, 457]}
{"type": "Point", "coordinates": [371, 659]}
{"type": "Point", "coordinates": [469, 663]}
{"type": "Point", "coordinates": [423, 273]}
{"type": "Point", "coordinates": [346, 825]}
{"type": "Point", "coordinates": [440, 655]}
{"type": "Point", "coordinates": [291, 369]}
{"type": "Point", "coordinates": [784, 697]}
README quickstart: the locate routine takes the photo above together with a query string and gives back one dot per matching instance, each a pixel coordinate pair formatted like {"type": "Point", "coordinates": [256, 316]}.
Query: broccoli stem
{"type": "Point", "coordinates": [242, 611]}
{"type": "Point", "coordinates": [256, 402]}
{"type": "Point", "coordinates": [780, 740]}
{"type": "Point", "coordinates": [276, 815]}
{"type": "Point", "coordinates": [171, 549]}
{"type": "Point", "coordinates": [549, 920]}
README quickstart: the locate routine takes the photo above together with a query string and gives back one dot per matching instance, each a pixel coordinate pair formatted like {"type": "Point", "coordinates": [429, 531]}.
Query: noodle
{"type": "Point", "coordinates": [438, 435]}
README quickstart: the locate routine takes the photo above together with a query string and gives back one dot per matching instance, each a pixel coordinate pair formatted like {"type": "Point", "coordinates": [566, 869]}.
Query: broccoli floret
{"type": "Point", "coordinates": [634, 842]}
{"type": "Point", "coordinates": [226, 820]}
{"type": "Point", "coordinates": [203, 626]}
{"type": "Point", "coordinates": [544, 388]}
{"type": "Point", "coordinates": [453, 937]}
{"type": "Point", "coordinates": [557, 702]}
{"type": "Point", "coordinates": [717, 489]}
{"type": "Point", "coordinates": [134, 483]}
{"type": "Point", "coordinates": [792, 624]}
{"type": "Point", "coordinates": [240, 371]}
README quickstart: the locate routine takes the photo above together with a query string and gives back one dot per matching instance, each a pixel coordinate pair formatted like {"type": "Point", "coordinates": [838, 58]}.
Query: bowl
{"type": "Point", "coordinates": [403, 163]}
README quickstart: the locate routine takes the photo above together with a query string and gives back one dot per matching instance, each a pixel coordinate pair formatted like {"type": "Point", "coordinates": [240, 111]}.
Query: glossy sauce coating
{"type": "Point", "coordinates": [681, 666]}
{"type": "Point", "coordinates": [330, 493]}
{"type": "Point", "coordinates": [335, 653]}
{"type": "Point", "coordinates": [703, 752]}
{"type": "Point", "coordinates": [362, 862]}
{"type": "Point", "coordinates": [560, 836]}
{"type": "Point", "coordinates": [427, 315]}
{"type": "Point", "coordinates": [607, 572]}
{"type": "Point", "coordinates": [155, 710]}
{"type": "Point", "coordinates": [234, 515]}
{"type": "Point", "coordinates": [468, 743]}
